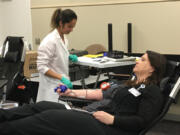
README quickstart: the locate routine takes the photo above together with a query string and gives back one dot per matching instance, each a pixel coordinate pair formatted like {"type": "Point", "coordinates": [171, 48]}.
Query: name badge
{"type": "Point", "coordinates": [135, 92]}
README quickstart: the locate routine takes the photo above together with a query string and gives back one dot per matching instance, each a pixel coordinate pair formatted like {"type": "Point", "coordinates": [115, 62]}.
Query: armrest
{"type": "Point", "coordinates": [3, 82]}
{"type": "Point", "coordinates": [76, 101]}
{"type": "Point", "coordinates": [119, 76]}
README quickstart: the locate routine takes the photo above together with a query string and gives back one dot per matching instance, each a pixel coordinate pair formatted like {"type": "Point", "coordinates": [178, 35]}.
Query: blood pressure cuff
{"type": "Point", "coordinates": [11, 56]}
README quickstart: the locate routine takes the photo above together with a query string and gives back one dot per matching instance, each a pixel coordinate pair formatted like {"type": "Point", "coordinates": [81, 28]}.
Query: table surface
{"type": "Point", "coordinates": [104, 62]}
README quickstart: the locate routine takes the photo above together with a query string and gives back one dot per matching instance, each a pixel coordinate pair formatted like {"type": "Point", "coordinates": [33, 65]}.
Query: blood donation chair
{"type": "Point", "coordinates": [170, 86]}
{"type": "Point", "coordinates": [12, 79]}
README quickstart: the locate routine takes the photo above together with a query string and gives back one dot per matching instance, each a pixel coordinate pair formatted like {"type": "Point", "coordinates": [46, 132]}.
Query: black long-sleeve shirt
{"type": "Point", "coordinates": [134, 113]}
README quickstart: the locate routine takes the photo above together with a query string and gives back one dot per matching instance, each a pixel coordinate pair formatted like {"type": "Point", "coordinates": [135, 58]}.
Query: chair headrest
{"type": "Point", "coordinates": [170, 77]}
{"type": "Point", "coordinates": [170, 68]}
{"type": "Point", "coordinates": [11, 56]}
{"type": "Point", "coordinates": [13, 44]}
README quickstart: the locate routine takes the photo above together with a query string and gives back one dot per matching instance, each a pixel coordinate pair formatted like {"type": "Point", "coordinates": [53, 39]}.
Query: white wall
{"type": "Point", "coordinates": [15, 19]}
{"type": "Point", "coordinates": [49, 3]}
{"type": "Point", "coordinates": [156, 25]}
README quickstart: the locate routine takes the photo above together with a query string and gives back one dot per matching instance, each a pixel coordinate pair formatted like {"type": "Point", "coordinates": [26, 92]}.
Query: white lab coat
{"type": "Point", "coordinates": [52, 54]}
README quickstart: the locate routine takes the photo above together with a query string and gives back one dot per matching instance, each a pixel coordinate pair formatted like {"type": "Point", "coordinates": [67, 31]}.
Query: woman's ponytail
{"type": "Point", "coordinates": [56, 17]}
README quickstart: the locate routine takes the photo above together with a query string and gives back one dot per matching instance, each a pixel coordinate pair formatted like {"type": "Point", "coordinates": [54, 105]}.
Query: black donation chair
{"type": "Point", "coordinates": [11, 71]}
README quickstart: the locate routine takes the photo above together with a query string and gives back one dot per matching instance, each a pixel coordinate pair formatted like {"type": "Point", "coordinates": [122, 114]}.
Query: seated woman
{"type": "Point", "coordinates": [132, 107]}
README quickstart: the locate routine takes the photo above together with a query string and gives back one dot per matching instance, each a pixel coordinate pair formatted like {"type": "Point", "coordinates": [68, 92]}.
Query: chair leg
{"type": "Point", "coordinates": [4, 95]}
{"type": "Point", "coordinates": [4, 104]}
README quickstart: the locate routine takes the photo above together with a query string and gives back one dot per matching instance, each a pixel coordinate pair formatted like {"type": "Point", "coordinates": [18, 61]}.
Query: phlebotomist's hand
{"type": "Point", "coordinates": [73, 58]}
{"type": "Point", "coordinates": [67, 82]}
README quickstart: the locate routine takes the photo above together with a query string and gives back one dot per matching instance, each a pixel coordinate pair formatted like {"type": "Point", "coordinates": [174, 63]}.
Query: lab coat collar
{"type": "Point", "coordinates": [64, 45]}
{"type": "Point", "coordinates": [56, 33]}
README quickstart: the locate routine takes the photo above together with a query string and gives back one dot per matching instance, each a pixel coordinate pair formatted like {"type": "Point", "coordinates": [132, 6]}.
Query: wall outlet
{"type": "Point", "coordinates": [37, 41]}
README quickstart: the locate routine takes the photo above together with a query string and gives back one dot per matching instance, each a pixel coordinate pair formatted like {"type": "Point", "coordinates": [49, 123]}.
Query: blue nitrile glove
{"type": "Point", "coordinates": [66, 82]}
{"type": "Point", "coordinates": [73, 58]}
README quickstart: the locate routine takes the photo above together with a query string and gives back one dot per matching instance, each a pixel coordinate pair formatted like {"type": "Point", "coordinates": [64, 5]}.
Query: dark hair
{"type": "Point", "coordinates": [158, 61]}
{"type": "Point", "coordinates": [65, 16]}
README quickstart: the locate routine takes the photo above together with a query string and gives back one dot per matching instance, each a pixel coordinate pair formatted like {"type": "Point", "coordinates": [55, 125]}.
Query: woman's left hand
{"type": "Point", "coordinates": [104, 117]}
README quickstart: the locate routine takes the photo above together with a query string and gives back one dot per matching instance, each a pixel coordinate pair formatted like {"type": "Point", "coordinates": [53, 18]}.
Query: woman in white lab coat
{"type": "Point", "coordinates": [53, 56]}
